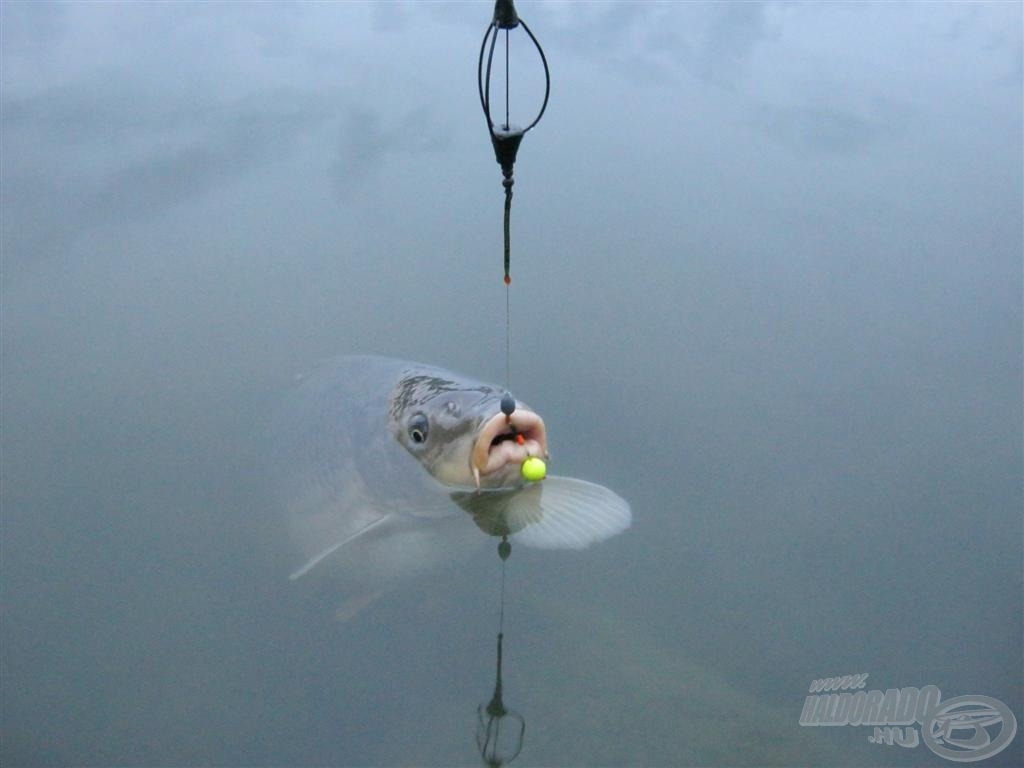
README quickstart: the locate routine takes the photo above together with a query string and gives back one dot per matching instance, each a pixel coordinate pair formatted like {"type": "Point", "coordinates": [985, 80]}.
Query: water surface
{"type": "Point", "coordinates": [774, 302]}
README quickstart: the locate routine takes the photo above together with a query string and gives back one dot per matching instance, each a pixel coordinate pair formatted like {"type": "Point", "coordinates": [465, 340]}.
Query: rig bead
{"type": "Point", "coordinates": [534, 469]}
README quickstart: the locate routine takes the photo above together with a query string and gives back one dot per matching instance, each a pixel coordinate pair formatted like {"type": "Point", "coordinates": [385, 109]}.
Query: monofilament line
{"type": "Point", "coordinates": [508, 338]}
{"type": "Point", "coordinates": [501, 614]}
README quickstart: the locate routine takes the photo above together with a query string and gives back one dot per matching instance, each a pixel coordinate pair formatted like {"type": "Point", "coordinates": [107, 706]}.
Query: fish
{"type": "Point", "coordinates": [386, 467]}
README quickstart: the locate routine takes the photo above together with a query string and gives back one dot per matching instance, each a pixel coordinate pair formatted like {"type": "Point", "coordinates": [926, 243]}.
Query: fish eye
{"type": "Point", "coordinates": [419, 427]}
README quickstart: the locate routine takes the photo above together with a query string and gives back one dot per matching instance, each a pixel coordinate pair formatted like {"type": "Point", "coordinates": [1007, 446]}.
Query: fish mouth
{"type": "Point", "coordinates": [505, 440]}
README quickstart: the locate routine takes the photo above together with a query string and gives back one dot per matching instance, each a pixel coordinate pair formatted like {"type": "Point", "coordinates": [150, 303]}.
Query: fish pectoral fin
{"type": "Point", "coordinates": [565, 513]}
{"type": "Point", "coordinates": [316, 559]}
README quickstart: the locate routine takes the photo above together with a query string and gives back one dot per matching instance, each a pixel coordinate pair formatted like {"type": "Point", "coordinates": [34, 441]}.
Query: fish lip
{"type": "Point", "coordinates": [487, 459]}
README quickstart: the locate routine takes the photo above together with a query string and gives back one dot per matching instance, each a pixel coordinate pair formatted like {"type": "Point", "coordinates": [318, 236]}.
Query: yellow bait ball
{"type": "Point", "coordinates": [535, 469]}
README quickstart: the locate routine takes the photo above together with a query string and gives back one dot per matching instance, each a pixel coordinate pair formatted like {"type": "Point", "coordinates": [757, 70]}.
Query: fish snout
{"type": "Point", "coordinates": [505, 441]}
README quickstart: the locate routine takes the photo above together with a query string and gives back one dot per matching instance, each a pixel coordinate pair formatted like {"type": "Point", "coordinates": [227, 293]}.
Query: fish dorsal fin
{"type": "Point", "coordinates": [315, 560]}
{"type": "Point", "coordinates": [558, 513]}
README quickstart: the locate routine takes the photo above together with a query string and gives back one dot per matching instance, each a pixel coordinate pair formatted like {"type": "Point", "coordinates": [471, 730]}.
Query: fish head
{"type": "Point", "coordinates": [456, 430]}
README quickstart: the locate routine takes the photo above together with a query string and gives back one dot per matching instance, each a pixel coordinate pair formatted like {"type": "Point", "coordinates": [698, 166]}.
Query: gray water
{"type": "Point", "coordinates": [766, 286]}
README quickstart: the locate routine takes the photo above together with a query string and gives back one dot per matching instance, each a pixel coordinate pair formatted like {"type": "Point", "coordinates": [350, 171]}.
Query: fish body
{"type": "Point", "coordinates": [387, 467]}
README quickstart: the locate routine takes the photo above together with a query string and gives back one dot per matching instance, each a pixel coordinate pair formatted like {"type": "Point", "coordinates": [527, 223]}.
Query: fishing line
{"type": "Point", "coordinates": [504, 550]}
{"type": "Point", "coordinates": [504, 137]}
{"type": "Point", "coordinates": [508, 338]}
{"type": "Point", "coordinates": [507, 183]}
{"type": "Point", "coordinates": [501, 612]}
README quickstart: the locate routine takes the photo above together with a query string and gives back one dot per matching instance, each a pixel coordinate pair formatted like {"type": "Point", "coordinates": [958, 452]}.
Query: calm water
{"type": "Point", "coordinates": [775, 303]}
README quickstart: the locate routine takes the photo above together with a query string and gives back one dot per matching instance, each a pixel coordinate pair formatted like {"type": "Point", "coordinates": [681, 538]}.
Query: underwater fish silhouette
{"type": "Point", "coordinates": [387, 466]}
